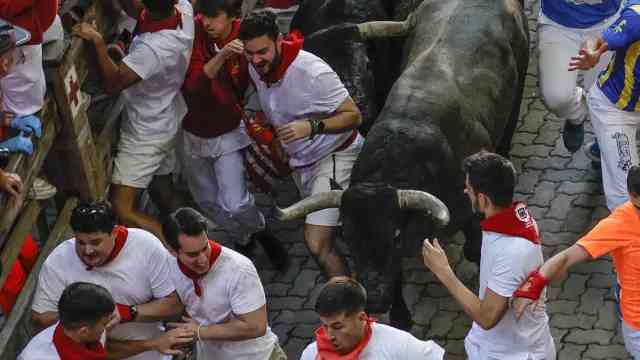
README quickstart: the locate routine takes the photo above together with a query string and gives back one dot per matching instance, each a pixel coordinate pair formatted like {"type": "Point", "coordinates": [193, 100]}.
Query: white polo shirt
{"type": "Point", "coordinates": [231, 287]}
{"type": "Point", "coordinates": [309, 88]}
{"type": "Point", "coordinates": [506, 262]}
{"type": "Point", "coordinates": [155, 106]}
{"type": "Point", "coordinates": [41, 347]}
{"type": "Point", "coordinates": [389, 343]}
{"type": "Point", "coordinates": [136, 276]}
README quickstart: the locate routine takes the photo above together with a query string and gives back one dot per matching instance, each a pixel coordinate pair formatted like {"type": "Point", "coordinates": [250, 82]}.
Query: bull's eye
{"type": "Point", "coordinates": [397, 233]}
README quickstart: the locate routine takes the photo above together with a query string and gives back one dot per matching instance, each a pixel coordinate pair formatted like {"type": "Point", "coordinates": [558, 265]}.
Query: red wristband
{"type": "Point", "coordinates": [125, 313]}
{"type": "Point", "coordinates": [533, 287]}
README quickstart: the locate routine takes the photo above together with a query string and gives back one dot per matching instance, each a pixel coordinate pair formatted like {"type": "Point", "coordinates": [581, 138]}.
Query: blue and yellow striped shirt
{"type": "Point", "coordinates": [620, 81]}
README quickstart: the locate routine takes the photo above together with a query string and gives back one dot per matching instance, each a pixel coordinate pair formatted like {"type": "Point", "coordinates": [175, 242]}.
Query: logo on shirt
{"type": "Point", "coordinates": [618, 28]}
{"type": "Point", "coordinates": [624, 151]}
{"type": "Point", "coordinates": [522, 213]}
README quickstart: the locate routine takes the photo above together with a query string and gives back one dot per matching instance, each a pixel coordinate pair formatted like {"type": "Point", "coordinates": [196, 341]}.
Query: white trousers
{"type": "Point", "coordinates": [558, 86]}
{"type": "Point", "coordinates": [218, 185]}
{"type": "Point", "coordinates": [631, 340]}
{"type": "Point", "coordinates": [616, 133]}
{"type": "Point", "coordinates": [23, 89]}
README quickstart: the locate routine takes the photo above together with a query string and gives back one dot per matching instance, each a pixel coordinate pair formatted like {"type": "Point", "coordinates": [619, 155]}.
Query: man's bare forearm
{"type": "Point", "coordinates": [122, 349]}
{"type": "Point", "coordinates": [167, 308]}
{"type": "Point", "coordinates": [108, 69]}
{"type": "Point", "coordinates": [233, 330]}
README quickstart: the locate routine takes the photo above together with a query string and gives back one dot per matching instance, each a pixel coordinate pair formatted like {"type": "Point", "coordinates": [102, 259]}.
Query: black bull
{"type": "Point", "coordinates": [459, 92]}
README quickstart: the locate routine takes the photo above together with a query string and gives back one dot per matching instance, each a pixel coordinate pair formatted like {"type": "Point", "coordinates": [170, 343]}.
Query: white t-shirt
{"type": "Point", "coordinates": [506, 262]}
{"type": "Point", "coordinates": [389, 343]}
{"type": "Point", "coordinates": [309, 88]}
{"type": "Point", "coordinates": [155, 106]}
{"type": "Point", "coordinates": [136, 276]}
{"type": "Point", "coordinates": [41, 347]}
{"type": "Point", "coordinates": [231, 287]}
{"type": "Point", "coordinates": [23, 89]}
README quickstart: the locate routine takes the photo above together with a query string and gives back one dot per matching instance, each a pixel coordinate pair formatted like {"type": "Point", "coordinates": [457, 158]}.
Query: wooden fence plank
{"type": "Point", "coordinates": [12, 338]}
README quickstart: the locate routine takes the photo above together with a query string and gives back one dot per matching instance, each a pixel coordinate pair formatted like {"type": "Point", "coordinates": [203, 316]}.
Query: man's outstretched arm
{"type": "Point", "coordinates": [486, 312]}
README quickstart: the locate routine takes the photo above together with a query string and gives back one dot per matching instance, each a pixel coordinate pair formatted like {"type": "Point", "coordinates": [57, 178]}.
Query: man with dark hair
{"type": "Point", "coordinates": [348, 333]}
{"type": "Point", "coordinates": [617, 235]}
{"type": "Point", "coordinates": [131, 264]}
{"type": "Point", "coordinates": [221, 292]}
{"type": "Point", "coordinates": [214, 87]}
{"type": "Point", "coordinates": [150, 78]}
{"type": "Point", "coordinates": [315, 120]}
{"type": "Point", "coordinates": [85, 310]}
{"type": "Point", "coordinates": [511, 250]}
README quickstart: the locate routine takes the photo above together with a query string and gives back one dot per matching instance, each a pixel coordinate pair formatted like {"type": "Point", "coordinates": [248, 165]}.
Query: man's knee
{"type": "Point", "coordinates": [123, 201]}
{"type": "Point", "coordinates": [558, 100]}
{"type": "Point", "coordinates": [319, 239]}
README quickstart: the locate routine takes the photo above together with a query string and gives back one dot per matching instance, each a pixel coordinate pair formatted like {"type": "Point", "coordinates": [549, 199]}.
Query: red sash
{"type": "Point", "coordinates": [327, 352]}
{"type": "Point", "coordinates": [216, 249]}
{"type": "Point", "coordinates": [71, 350]}
{"type": "Point", "coordinates": [514, 220]}
{"type": "Point", "coordinates": [291, 46]}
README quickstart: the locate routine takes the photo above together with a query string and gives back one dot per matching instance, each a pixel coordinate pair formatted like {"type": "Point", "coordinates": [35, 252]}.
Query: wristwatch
{"type": "Point", "coordinates": [133, 309]}
{"type": "Point", "coordinates": [317, 127]}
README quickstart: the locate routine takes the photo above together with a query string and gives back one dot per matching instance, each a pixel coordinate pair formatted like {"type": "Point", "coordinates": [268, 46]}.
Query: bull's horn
{"type": "Point", "coordinates": [385, 29]}
{"type": "Point", "coordinates": [325, 200]}
{"type": "Point", "coordinates": [420, 200]}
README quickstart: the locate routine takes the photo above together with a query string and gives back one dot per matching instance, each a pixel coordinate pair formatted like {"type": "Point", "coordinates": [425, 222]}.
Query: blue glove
{"type": "Point", "coordinates": [18, 143]}
{"type": "Point", "coordinates": [30, 124]}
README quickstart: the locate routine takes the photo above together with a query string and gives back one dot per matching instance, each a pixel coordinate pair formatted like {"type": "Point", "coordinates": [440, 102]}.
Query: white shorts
{"type": "Point", "coordinates": [138, 162]}
{"type": "Point", "coordinates": [316, 179]}
{"type": "Point", "coordinates": [631, 340]}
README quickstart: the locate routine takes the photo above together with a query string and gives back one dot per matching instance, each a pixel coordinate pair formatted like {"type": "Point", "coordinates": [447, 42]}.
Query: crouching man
{"type": "Point", "coordinates": [84, 310]}
{"type": "Point", "coordinates": [221, 292]}
{"type": "Point", "coordinates": [128, 262]}
{"type": "Point", "coordinates": [348, 333]}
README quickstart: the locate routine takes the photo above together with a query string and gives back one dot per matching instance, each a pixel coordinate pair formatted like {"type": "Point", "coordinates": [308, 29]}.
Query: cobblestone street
{"type": "Point", "coordinates": [565, 196]}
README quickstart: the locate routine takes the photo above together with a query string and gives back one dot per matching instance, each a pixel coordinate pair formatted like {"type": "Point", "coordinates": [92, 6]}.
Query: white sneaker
{"type": "Point", "coordinates": [41, 190]}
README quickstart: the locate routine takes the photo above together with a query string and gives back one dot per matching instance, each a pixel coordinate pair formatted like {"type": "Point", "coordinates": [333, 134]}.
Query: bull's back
{"type": "Point", "coordinates": [464, 58]}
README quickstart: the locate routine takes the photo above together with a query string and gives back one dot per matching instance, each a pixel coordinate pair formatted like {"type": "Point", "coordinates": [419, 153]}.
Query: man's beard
{"type": "Point", "coordinates": [275, 63]}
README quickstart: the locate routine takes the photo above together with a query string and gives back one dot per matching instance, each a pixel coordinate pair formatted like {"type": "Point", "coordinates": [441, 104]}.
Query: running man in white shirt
{"type": "Point", "coordinates": [85, 310]}
{"type": "Point", "coordinates": [130, 263]}
{"type": "Point", "coordinates": [221, 292]}
{"type": "Point", "coordinates": [348, 333]}
{"type": "Point", "coordinates": [511, 250]}
{"type": "Point", "coordinates": [315, 120]}
{"type": "Point", "coordinates": [150, 78]}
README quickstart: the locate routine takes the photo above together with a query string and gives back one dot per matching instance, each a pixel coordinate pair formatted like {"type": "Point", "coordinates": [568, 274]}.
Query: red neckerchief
{"type": "Point", "coordinates": [121, 238]}
{"type": "Point", "coordinates": [327, 352]}
{"type": "Point", "coordinates": [71, 350]}
{"type": "Point", "coordinates": [514, 220]}
{"type": "Point", "coordinates": [146, 25]}
{"type": "Point", "coordinates": [216, 249]}
{"type": "Point", "coordinates": [233, 34]}
{"type": "Point", "coordinates": [291, 46]}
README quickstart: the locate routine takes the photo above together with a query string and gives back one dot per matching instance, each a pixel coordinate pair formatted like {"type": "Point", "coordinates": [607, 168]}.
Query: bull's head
{"type": "Point", "coordinates": [373, 218]}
